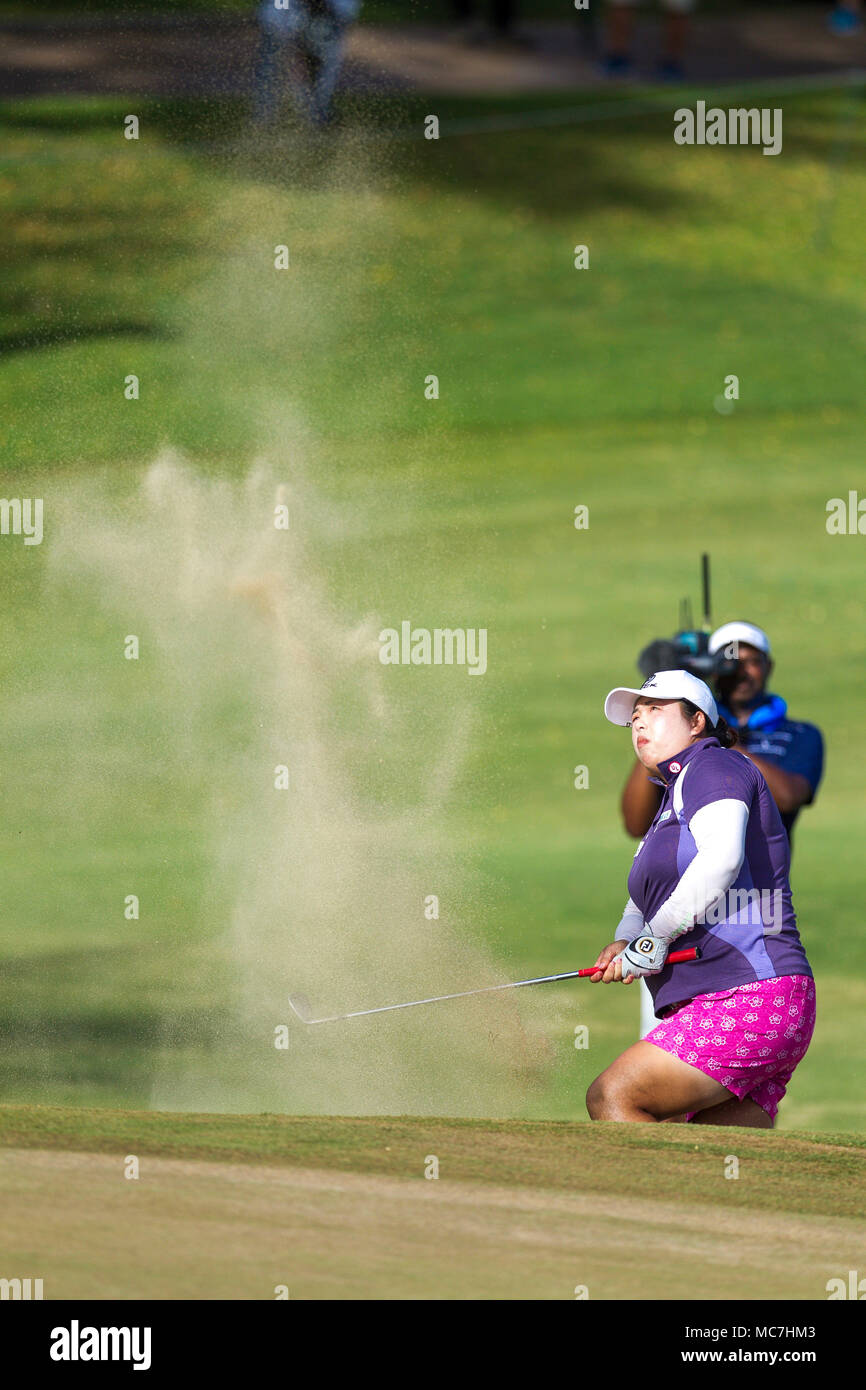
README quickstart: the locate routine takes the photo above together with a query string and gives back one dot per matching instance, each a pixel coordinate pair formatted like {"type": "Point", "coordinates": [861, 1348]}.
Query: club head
{"type": "Point", "coordinates": [300, 1005]}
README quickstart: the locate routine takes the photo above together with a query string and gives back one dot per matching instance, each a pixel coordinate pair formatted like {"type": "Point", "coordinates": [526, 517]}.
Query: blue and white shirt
{"type": "Point", "coordinates": [793, 747]}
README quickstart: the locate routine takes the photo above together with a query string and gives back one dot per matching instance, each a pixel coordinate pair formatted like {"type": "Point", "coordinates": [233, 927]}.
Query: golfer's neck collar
{"type": "Point", "coordinates": [670, 768]}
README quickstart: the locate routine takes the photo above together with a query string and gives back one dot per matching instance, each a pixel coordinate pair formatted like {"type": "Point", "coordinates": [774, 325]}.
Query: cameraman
{"type": "Point", "coordinates": [789, 754]}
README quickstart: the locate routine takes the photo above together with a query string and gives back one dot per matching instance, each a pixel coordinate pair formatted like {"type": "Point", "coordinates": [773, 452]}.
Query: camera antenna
{"type": "Point", "coordinates": [705, 571]}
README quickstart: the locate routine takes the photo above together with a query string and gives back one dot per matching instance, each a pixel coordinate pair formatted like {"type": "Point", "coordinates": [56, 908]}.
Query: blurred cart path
{"type": "Point", "coordinates": [198, 56]}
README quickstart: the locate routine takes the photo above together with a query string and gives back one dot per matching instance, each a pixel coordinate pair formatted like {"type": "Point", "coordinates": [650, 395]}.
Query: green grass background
{"type": "Point", "coordinates": [558, 387]}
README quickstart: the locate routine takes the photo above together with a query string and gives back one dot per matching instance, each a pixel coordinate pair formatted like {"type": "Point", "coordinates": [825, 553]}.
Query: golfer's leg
{"type": "Point", "coordinates": [325, 80]}
{"type": "Point", "coordinates": [746, 1113]}
{"type": "Point", "coordinates": [266, 93]}
{"type": "Point", "coordinates": [620, 26]}
{"type": "Point", "coordinates": [646, 1083]}
{"type": "Point", "coordinates": [676, 31]}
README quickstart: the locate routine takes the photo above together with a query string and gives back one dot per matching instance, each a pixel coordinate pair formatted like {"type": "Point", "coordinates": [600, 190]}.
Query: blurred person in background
{"type": "Point", "coordinates": [315, 32]}
{"type": "Point", "coordinates": [617, 61]}
{"type": "Point", "coordinates": [790, 754]}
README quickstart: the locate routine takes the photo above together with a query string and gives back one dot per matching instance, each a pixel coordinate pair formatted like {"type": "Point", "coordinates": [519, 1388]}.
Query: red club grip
{"type": "Point", "coordinates": [675, 958]}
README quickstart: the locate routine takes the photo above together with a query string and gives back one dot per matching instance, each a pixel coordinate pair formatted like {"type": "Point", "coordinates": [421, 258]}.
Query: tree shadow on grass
{"type": "Point", "coordinates": [57, 1037]}
{"type": "Point", "coordinates": [547, 169]}
{"type": "Point", "coordinates": [548, 153]}
{"type": "Point", "coordinates": [57, 335]}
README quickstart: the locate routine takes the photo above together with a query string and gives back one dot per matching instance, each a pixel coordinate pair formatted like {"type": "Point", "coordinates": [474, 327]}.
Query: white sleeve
{"type": "Point", "coordinates": [719, 832]}
{"type": "Point", "coordinates": [632, 924]}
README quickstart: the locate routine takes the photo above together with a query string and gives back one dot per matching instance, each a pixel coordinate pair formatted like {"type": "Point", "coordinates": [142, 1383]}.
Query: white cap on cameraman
{"type": "Point", "coordinates": [665, 685]}
{"type": "Point", "coordinates": [739, 632]}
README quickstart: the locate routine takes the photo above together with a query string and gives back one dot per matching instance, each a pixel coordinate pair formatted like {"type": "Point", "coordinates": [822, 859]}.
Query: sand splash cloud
{"type": "Point", "coordinates": [316, 878]}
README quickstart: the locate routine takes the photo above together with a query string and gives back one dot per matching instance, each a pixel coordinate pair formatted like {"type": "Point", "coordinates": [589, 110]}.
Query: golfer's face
{"type": "Point", "coordinates": [659, 729]}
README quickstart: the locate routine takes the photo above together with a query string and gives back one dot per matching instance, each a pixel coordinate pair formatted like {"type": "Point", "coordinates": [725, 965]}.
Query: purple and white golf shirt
{"type": "Point", "coordinates": [748, 934]}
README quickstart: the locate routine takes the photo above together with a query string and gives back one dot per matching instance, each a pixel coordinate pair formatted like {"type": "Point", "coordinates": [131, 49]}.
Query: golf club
{"type": "Point", "coordinates": [301, 1005]}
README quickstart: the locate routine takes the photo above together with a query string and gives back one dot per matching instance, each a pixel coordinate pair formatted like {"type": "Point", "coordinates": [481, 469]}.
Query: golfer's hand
{"type": "Point", "coordinates": [608, 973]}
{"type": "Point", "coordinates": [646, 955]}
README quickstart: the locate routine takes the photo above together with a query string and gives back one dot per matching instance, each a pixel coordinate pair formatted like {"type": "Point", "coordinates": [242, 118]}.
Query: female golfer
{"type": "Point", "coordinates": [711, 872]}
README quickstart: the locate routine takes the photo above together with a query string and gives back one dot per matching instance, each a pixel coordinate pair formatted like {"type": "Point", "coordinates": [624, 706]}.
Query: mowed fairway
{"type": "Point", "coordinates": [234, 1207]}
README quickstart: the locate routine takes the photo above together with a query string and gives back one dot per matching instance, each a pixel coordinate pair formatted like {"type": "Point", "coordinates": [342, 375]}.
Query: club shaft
{"type": "Point", "coordinates": [673, 959]}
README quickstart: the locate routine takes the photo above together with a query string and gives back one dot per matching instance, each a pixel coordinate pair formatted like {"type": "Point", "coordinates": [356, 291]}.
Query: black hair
{"type": "Point", "coordinates": [723, 732]}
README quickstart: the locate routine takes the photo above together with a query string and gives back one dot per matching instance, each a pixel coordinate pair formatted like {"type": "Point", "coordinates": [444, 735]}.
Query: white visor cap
{"type": "Point", "coordinates": [739, 632]}
{"type": "Point", "coordinates": [665, 685]}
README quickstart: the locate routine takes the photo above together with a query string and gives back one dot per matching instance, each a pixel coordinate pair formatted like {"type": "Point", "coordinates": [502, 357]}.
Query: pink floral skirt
{"type": "Point", "coordinates": [749, 1039]}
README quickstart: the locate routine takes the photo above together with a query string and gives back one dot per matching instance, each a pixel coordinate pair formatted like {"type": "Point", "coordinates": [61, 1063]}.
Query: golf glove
{"type": "Point", "coordinates": [645, 955]}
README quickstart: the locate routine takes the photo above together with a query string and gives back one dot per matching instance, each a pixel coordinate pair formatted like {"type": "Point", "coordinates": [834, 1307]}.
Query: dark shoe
{"type": "Point", "coordinates": [670, 70]}
{"type": "Point", "coordinates": [617, 65]}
